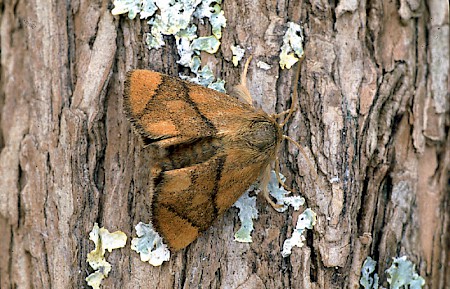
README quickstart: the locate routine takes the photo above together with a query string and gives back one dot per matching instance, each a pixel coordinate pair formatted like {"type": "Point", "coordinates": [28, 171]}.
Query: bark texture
{"type": "Point", "coordinates": [373, 115]}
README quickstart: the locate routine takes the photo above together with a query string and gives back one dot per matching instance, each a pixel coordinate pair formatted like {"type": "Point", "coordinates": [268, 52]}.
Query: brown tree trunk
{"type": "Point", "coordinates": [373, 115]}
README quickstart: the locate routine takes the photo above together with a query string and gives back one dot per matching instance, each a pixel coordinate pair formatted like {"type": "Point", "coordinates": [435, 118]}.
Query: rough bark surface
{"type": "Point", "coordinates": [373, 115]}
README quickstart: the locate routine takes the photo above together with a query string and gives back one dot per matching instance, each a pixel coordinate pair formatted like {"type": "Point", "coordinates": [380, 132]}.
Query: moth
{"type": "Point", "coordinates": [210, 148]}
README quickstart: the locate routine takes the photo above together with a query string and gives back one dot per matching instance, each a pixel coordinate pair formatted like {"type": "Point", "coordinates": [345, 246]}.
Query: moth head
{"type": "Point", "coordinates": [263, 135]}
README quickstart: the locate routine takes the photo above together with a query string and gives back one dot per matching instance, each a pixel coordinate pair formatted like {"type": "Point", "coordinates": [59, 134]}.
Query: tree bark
{"type": "Point", "coordinates": [373, 115]}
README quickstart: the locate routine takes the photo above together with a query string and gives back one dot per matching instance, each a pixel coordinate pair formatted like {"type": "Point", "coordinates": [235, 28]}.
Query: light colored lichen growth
{"type": "Point", "coordinates": [367, 281]}
{"type": "Point", "coordinates": [282, 196]}
{"type": "Point", "coordinates": [103, 240]}
{"type": "Point", "coordinates": [145, 7]}
{"type": "Point", "coordinates": [209, 44]}
{"type": "Point", "coordinates": [292, 49]}
{"type": "Point", "coordinates": [175, 18]}
{"type": "Point", "coordinates": [149, 245]}
{"type": "Point", "coordinates": [215, 15]}
{"type": "Point", "coordinates": [247, 213]}
{"type": "Point", "coordinates": [204, 76]}
{"type": "Point", "coordinates": [400, 275]}
{"type": "Point", "coordinates": [263, 65]}
{"type": "Point", "coordinates": [306, 220]}
{"type": "Point", "coordinates": [238, 53]}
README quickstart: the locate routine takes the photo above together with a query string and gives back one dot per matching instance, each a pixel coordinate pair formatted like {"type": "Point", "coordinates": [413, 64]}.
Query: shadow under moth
{"type": "Point", "coordinates": [210, 148]}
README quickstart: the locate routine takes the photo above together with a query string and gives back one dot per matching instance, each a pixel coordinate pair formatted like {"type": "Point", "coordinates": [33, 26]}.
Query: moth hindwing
{"type": "Point", "coordinates": [213, 147]}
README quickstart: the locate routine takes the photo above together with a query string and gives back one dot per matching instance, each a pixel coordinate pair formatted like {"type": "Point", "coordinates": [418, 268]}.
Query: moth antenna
{"type": "Point", "coordinates": [244, 73]}
{"type": "Point", "coordinates": [280, 181]}
{"type": "Point", "coordinates": [241, 90]}
{"type": "Point", "coordinates": [316, 176]}
{"type": "Point", "coordinates": [294, 94]}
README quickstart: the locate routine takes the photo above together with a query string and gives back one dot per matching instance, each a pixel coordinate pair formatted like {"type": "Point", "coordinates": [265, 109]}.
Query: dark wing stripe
{"type": "Point", "coordinates": [158, 92]}
{"type": "Point", "coordinates": [168, 83]}
{"type": "Point", "coordinates": [195, 107]}
{"type": "Point", "coordinates": [201, 224]}
{"type": "Point", "coordinates": [218, 174]}
{"type": "Point", "coordinates": [219, 169]}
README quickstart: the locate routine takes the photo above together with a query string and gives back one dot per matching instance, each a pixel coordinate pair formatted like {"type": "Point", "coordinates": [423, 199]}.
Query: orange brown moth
{"type": "Point", "coordinates": [210, 148]}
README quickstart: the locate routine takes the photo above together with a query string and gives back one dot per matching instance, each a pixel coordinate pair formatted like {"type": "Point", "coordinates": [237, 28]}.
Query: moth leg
{"type": "Point", "coordinates": [241, 90]}
{"type": "Point", "coordinates": [294, 95]}
{"type": "Point", "coordinates": [280, 181]}
{"type": "Point", "coordinates": [263, 186]}
{"type": "Point", "coordinates": [278, 115]}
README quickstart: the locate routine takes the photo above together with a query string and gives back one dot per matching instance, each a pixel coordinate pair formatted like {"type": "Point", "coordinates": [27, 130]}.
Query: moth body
{"type": "Point", "coordinates": [212, 147]}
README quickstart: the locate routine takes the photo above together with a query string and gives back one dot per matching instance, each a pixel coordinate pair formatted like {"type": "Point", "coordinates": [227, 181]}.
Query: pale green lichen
{"type": "Point", "coordinates": [154, 41]}
{"type": "Point", "coordinates": [195, 64]}
{"type": "Point", "coordinates": [218, 85]}
{"type": "Point", "coordinates": [214, 14]}
{"type": "Point", "coordinates": [306, 220]}
{"type": "Point", "coordinates": [282, 196]}
{"type": "Point", "coordinates": [103, 240]}
{"type": "Point", "coordinates": [175, 18]}
{"type": "Point", "coordinates": [209, 44]}
{"type": "Point", "coordinates": [238, 53]}
{"type": "Point", "coordinates": [247, 213]}
{"type": "Point", "coordinates": [204, 75]}
{"type": "Point", "coordinates": [367, 281]}
{"type": "Point", "coordinates": [172, 18]}
{"type": "Point", "coordinates": [148, 8]}
{"type": "Point", "coordinates": [401, 274]}
{"type": "Point", "coordinates": [149, 245]}
{"type": "Point", "coordinates": [145, 7]}
{"type": "Point", "coordinates": [292, 49]}
{"type": "Point", "coordinates": [95, 279]}
{"type": "Point", "coordinates": [183, 40]}
{"type": "Point", "coordinates": [263, 65]}
{"type": "Point", "coordinates": [124, 6]}
{"type": "Point", "coordinates": [218, 21]}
